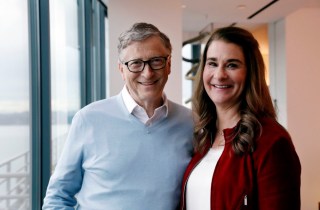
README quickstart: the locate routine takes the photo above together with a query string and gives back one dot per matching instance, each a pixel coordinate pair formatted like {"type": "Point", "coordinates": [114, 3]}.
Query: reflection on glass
{"type": "Point", "coordinates": [14, 106]}
{"type": "Point", "coordinates": [65, 70]}
{"type": "Point", "coordinates": [106, 32]}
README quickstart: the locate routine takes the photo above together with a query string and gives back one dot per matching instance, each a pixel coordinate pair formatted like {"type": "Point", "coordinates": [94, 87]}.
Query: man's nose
{"type": "Point", "coordinates": [147, 71]}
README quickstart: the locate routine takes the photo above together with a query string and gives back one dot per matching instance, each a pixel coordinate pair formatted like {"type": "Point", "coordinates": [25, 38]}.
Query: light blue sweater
{"type": "Point", "coordinates": [112, 161]}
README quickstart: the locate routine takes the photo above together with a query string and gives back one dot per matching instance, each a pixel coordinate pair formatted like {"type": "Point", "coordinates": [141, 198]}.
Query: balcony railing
{"type": "Point", "coordinates": [15, 183]}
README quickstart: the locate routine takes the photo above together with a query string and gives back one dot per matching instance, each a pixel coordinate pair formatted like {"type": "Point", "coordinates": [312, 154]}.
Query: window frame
{"type": "Point", "coordinates": [93, 80]}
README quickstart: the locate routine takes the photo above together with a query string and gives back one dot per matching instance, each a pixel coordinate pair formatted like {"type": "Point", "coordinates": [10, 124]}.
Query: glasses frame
{"type": "Point", "coordinates": [147, 62]}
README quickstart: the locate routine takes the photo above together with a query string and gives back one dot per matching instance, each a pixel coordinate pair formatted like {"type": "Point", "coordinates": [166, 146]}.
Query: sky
{"type": "Point", "coordinates": [15, 51]}
{"type": "Point", "coordinates": [14, 60]}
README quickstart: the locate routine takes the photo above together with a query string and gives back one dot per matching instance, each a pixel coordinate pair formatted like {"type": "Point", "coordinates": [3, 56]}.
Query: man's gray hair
{"type": "Point", "coordinates": [140, 32]}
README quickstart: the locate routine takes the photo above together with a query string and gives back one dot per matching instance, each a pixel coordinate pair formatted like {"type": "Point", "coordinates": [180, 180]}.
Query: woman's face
{"type": "Point", "coordinates": [224, 74]}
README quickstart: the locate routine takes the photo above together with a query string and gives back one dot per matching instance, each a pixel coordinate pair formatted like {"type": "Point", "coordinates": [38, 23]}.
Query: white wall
{"type": "Point", "coordinates": [303, 97]}
{"type": "Point", "coordinates": [295, 44]}
{"type": "Point", "coordinates": [167, 16]}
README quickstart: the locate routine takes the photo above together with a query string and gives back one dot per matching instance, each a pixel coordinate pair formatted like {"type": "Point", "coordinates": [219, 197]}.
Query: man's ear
{"type": "Point", "coordinates": [120, 68]}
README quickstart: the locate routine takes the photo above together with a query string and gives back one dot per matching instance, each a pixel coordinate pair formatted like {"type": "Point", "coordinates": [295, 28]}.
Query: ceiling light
{"type": "Point", "coordinates": [241, 6]}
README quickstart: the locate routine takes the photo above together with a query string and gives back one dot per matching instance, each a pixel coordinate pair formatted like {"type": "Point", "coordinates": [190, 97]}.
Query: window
{"type": "Point", "coordinates": [65, 71]}
{"type": "Point", "coordinates": [52, 58]}
{"type": "Point", "coordinates": [14, 106]}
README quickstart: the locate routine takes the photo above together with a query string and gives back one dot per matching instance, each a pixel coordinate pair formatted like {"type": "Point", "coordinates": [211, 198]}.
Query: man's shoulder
{"type": "Point", "coordinates": [104, 105]}
{"type": "Point", "coordinates": [104, 102]}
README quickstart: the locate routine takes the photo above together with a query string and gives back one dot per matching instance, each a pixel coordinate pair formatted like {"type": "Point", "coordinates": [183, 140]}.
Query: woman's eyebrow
{"type": "Point", "coordinates": [235, 60]}
{"type": "Point", "coordinates": [228, 60]}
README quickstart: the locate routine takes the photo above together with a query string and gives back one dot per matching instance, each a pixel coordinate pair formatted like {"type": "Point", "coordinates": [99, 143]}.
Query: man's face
{"type": "Point", "coordinates": [145, 86]}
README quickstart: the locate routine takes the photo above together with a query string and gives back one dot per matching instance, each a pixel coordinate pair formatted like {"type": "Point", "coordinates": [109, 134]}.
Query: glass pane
{"type": "Point", "coordinates": [65, 70]}
{"type": "Point", "coordinates": [106, 28]}
{"type": "Point", "coordinates": [96, 54]}
{"type": "Point", "coordinates": [14, 106]}
{"type": "Point", "coordinates": [186, 81]}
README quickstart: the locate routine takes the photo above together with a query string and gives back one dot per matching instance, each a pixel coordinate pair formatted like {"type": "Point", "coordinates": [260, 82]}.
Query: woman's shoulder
{"type": "Point", "coordinates": [275, 151]}
{"type": "Point", "coordinates": [271, 127]}
{"type": "Point", "coordinates": [273, 137]}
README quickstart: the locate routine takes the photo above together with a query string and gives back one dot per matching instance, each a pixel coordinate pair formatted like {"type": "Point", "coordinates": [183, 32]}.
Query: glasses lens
{"type": "Point", "coordinates": [157, 63]}
{"type": "Point", "coordinates": [135, 65]}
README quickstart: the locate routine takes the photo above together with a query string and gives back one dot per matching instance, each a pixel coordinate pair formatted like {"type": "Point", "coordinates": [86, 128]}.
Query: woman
{"type": "Point", "coordinates": [244, 159]}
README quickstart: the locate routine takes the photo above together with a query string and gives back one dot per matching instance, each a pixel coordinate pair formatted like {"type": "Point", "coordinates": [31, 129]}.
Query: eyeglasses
{"type": "Point", "coordinates": [137, 65]}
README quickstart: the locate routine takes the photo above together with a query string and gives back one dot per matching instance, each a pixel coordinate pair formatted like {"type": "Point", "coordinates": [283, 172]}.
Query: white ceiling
{"type": "Point", "coordinates": [202, 14]}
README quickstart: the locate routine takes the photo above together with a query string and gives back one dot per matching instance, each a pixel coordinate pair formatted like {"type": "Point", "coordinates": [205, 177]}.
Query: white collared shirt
{"type": "Point", "coordinates": [140, 113]}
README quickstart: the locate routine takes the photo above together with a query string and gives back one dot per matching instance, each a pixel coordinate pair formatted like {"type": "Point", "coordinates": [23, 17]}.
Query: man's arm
{"type": "Point", "coordinates": [67, 177]}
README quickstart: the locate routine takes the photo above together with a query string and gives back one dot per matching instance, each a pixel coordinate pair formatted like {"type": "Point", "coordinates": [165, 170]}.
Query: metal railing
{"type": "Point", "coordinates": [15, 183]}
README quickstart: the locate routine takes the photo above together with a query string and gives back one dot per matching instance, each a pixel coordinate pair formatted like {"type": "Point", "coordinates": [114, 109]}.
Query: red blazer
{"type": "Point", "coordinates": [267, 179]}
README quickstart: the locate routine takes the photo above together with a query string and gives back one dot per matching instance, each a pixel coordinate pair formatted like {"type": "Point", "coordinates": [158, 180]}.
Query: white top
{"type": "Point", "coordinates": [199, 182]}
{"type": "Point", "coordinates": [140, 113]}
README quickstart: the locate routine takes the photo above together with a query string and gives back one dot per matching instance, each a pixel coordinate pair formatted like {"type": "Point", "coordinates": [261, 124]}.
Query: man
{"type": "Point", "coordinates": [130, 151]}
